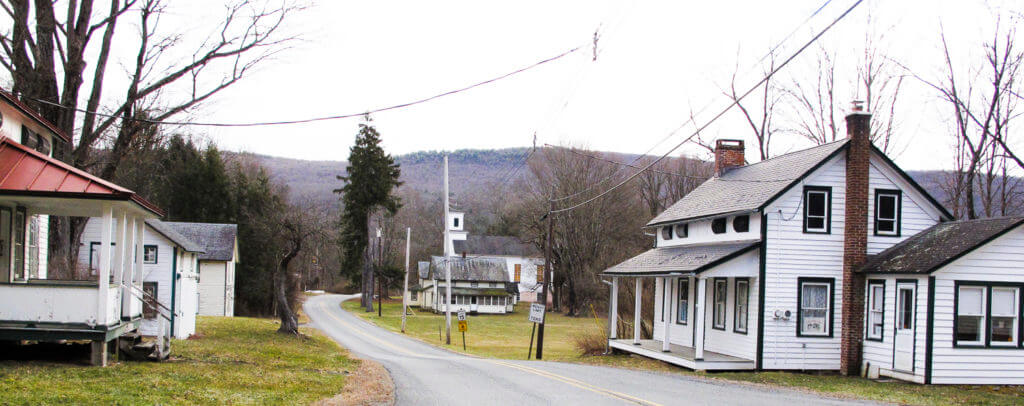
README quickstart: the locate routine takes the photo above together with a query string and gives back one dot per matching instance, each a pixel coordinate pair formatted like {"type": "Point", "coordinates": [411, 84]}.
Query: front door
{"type": "Point", "coordinates": [906, 298]}
{"type": "Point", "coordinates": [473, 306]}
{"type": "Point", "coordinates": [5, 244]}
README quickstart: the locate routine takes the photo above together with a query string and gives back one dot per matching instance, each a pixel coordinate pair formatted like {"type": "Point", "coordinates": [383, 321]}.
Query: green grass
{"type": "Point", "coordinates": [507, 336]}
{"type": "Point", "coordinates": [236, 360]}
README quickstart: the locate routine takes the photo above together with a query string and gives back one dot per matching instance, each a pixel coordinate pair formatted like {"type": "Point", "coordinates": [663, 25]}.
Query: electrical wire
{"type": "Point", "coordinates": [719, 115]}
{"type": "Point", "coordinates": [331, 117]}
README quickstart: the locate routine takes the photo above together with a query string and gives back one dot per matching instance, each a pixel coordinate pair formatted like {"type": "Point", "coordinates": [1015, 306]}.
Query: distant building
{"type": "Point", "coordinates": [219, 243]}
{"type": "Point", "coordinates": [479, 285]}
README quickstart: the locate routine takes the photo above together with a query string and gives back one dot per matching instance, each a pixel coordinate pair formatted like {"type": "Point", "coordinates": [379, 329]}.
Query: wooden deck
{"type": "Point", "coordinates": [684, 356]}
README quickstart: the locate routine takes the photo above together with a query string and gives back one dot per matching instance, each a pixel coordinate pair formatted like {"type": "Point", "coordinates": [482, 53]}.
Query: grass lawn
{"type": "Point", "coordinates": [507, 336]}
{"type": "Point", "coordinates": [235, 360]}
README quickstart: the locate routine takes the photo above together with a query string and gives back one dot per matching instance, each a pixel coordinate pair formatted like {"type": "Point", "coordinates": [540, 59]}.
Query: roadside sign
{"type": "Point", "coordinates": [462, 314]}
{"type": "Point", "coordinates": [537, 313]}
{"type": "Point", "coordinates": [463, 326]}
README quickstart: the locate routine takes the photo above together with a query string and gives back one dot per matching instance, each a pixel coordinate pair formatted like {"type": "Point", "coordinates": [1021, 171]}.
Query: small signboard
{"type": "Point", "coordinates": [462, 314]}
{"type": "Point", "coordinates": [463, 326]}
{"type": "Point", "coordinates": [537, 313]}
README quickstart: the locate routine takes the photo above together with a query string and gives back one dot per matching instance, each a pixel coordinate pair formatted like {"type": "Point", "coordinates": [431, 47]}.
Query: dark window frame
{"type": "Point", "coordinates": [745, 223]}
{"type": "Point", "coordinates": [828, 208]}
{"type": "Point", "coordinates": [683, 294]}
{"type": "Point", "coordinates": [987, 301]}
{"type": "Point", "coordinates": [735, 306]}
{"type": "Point", "coordinates": [714, 304]}
{"type": "Point", "coordinates": [718, 224]}
{"type": "Point", "coordinates": [667, 232]}
{"type": "Point", "coordinates": [867, 311]}
{"type": "Point", "coordinates": [830, 329]}
{"type": "Point", "coordinates": [156, 253]}
{"type": "Point", "coordinates": [149, 306]}
{"type": "Point", "coordinates": [686, 230]}
{"type": "Point", "coordinates": [898, 212]}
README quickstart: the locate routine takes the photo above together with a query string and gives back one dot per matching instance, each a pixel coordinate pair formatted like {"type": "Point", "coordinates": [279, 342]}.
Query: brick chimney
{"type": "Point", "coordinates": [728, 155]}
{"type": "Point", "coordinates": [855, 238]}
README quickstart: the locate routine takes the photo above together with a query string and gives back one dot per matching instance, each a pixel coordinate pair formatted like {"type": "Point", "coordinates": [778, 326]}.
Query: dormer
{"type": "Point", "coordinates": [23, 125]}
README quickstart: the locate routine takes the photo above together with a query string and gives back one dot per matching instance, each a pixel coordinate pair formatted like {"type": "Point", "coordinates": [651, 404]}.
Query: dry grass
{"type": "Point", "coordinates": [590, 341]}
{"type": "Point", "coordinates": [369, 385]}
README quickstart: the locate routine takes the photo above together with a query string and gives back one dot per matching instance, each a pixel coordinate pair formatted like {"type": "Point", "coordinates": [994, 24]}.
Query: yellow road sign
{"type": "Point", "coordinates": [463, 326]}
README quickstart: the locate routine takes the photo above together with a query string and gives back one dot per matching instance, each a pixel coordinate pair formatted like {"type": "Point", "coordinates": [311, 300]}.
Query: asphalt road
{"type": "Point", "coordinates": [427, 375]}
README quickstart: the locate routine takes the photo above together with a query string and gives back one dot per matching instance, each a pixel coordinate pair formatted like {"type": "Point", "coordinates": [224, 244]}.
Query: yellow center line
{"type": "Point", "coordinates": [546, 374]}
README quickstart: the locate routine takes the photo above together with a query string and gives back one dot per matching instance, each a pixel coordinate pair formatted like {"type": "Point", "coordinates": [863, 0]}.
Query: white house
{"type": "Point", "coordinates": [944, 306]}
{"type": "Point", "coordinates": [757, 267]}
{"type": "Point", "coordinates": [34, 185]}
{"type": "Point", "coordinates": [479, 285]}
{"type": "Point", "coordinates": [219, 243]}
{"type": "Point", "coordinates": [170, 275]}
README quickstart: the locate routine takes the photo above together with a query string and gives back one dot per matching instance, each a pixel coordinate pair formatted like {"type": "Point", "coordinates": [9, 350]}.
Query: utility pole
{"type": "Point", "coordinates": [380, 277]}
{"type": "Point", "coordinates": [405, 284]}
{"type": "Point", "coordinates": [546, 278]}
{"type": "Point", "coordinates": [447, 263]}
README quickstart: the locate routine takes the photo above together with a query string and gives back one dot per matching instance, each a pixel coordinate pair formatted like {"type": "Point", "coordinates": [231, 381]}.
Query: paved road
{"type": "Point", "coordinates": [427, 375]}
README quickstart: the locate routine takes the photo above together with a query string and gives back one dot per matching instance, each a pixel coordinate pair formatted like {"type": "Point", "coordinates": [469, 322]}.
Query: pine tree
{"type": "Point", "coordinates": [370, 178]}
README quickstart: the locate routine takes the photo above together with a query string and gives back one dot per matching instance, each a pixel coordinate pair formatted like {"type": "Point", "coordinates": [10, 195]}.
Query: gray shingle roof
{"type": "Point", "coordinates": [747, 188]}
{"type": "Point", "coordinates": [424, 269]}
{"type": "Point", "coordinates": [217, 240]}
{"type": "Point", "coordinates": [494, 245]}
{"type": "Point", "coordinates": [471, 269]}
{"type": "Point", "coordinates": [687, 258]}
{"type": "Point", "coordinates": [175, 237]}
{"type": "Point", "coordinates": [939, 245]}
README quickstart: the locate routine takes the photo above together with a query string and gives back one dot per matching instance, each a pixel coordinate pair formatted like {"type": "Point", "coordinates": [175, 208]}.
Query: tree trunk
{"type": "Point", "coordinates": [289, 323]}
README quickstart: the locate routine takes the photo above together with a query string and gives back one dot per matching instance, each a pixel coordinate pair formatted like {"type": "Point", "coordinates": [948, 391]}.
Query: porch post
{"type": "Point", "coordinates": [140, 239]}
{"type": "Point", "coordinates": [613, 318]}
{"type": "Point", "coordinates": [698, 325]}
{"type": "Point", "coordinates": [666, 290]}
{"type": "Point", "coordinates": [119, 242]}
{"type": "Point", "coordinates": [636, 312]}
{"type": "Point", "coordinates": [129, 267]}
{"type": "Point", "coordinates": [104, 271]}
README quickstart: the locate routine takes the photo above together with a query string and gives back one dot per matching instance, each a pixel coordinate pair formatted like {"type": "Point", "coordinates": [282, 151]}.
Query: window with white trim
{"type": "Point", "coordinates": [970, 315]}
{"type": "Point", "coordinates": [815, 300]}
{"type": "Point", "coordinates": [1004, 316]}
{"type": "Point", "coordinates": [740, 309]}
{"type": "Point", "coordinates": [149, 254]}
{"type": "Point", "coordinates": [905, 308]}
{"type": "Point", "coordinates": [817, 209]}
{"type": "Point", "coordinates": [721, 289]}
{"type": "Point", "coordinates": [682, 316]}
{"type": "Point", "coordinates": [876, 310]}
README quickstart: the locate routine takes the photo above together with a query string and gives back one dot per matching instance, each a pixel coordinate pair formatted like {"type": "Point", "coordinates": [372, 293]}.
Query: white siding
{"type": "Point", "coordinates": [212, 288]}
{"type": "Point", "coordinates": [1001, 260]}
{"type": "Point", "coordinates": [726, 342]}
{"type": "Point", "coordinates": [916, 215]}
{"type": "Point", "coordinates": [880, 353]}
{"type": "Point", "coordinates": [700, 233]}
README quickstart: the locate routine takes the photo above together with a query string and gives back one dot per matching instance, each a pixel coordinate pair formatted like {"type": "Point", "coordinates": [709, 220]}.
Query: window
{"type": "Point", "coordinates": [720, 293]}
{"type": "Point", "coordinates": [718, 226]}
{"type": "Point", "coordinates": [741, 224]}
{"type": "Point", "coordinates": [33, 247]}
{"type": "Point", "coordinates": [492, 284]}
{"type": "Point", "coordinates": [684, 301]}
{"type": "Point", "coordinates": [888, 205]}
{"type": "Point", "coordinates": [412, 295]}
{"type": "Point", "coordinates": [540, 273]}
{"type": "Point", "coordinates": [682, 230]}
{"type": "Point", "coordinates": [455, 222]}
{"type": "Point", "coordinates": [149, 302]}
{"type": "Point", "coordinates": [905, 312]}
{"type": "Point", "coordinates": [474, 284]}
{"type": "Point", "coordinates": [817, 209]}
{"type": "Point", "coordinates": [740, 312]}
{"type": "Point", "coordinates": [19, 243]}
{"type": "Point", "coordinates": [149, 254]}
{"type": "Point", "coordinates": [94, 256]}
{"type": "Point", "coordinates": [876, 310]}
{"type": "Point", "coordinates": [814, 317]}
{"type": "Point", "coordinates": [666, 233]}
{"type": "Point", "coordinates": [1004, 316]}
{"type": "Point", "coordinates": [970, 315]}
{"type": "Point", "coordinates": [518, 273]}
{"type": "Point", "coordinates": [34, 140]}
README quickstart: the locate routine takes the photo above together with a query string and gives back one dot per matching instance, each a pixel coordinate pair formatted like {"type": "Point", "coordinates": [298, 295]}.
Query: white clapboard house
{"type": "Point", "coordinates": [758, 267]}
{"type": "Point", "coordinates": [219, 243]}
{"type": "Point", "coordinates": [170, 275]}
{"type": "Point", "coordinates": [34, 304]}
{"type": "Point", "coordinates": [479, 285]}
{"type": "Point", "coordinates": [522, 260]}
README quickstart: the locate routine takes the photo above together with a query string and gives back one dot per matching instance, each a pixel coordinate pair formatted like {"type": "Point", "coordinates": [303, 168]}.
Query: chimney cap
{"type": "Point", "coordinates": [729, 144]}
{"type": "Point", "coordinates": [857, 106]}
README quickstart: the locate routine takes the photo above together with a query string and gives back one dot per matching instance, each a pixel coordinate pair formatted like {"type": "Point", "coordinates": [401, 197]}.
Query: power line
{"type": "Point", "coordinates": [332, 117]}
{"type": "Point", "coordinates": [719, 115]}
{"type": "Point", "coordinates": [672, 133]}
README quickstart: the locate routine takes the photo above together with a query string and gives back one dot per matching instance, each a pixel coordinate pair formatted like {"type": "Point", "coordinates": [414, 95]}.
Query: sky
{"type": "Point", "coordinates": [656, 63]}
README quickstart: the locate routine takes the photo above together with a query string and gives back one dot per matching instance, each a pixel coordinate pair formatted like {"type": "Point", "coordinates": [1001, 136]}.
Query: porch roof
{"type": "Point", "coordinates": [30, 174]}
{"type": "Point", "coordinates": [687, 259]}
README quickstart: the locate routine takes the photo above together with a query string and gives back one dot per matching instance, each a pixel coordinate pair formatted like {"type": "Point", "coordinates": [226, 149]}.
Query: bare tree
{"type": "Point", "coordinates": [299, 225]}
{"type": "Point", "coordinates": [46, 56]}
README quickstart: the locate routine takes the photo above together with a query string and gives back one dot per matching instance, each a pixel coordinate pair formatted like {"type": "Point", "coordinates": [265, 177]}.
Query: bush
{"type": "Point", "coordinates": [590, 341]}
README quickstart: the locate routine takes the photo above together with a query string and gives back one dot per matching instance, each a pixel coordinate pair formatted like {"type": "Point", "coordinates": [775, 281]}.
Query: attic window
{"type": "Point", "coordinates": [887, 212]}
{"type": "Point", "coordinates": [455, 222]}
{"type": "Point", "coordinates": [682, 230]}
{"type": "Point", "coordinates": [666, 233]}
{"type": "Point", "coordinates": [817, 209]}
{"type": "Point", "coordinates": [741, 224]}
{"type": "Point", "coordinates": [718, 226]}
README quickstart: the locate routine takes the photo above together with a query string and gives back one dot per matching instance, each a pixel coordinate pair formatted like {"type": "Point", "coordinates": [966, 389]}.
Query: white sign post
{"type": "Point", "coordinates": [537, 313]}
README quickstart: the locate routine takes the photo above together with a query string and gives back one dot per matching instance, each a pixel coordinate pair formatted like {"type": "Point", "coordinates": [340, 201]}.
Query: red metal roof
{"type": "Point", "coordinates": [24, 171]}
{"type": "Point", "coordinates": [12, 100]}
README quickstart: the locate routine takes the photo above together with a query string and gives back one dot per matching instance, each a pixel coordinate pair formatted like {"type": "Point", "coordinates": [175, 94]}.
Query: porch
{"type": "Point", "coordinates": [683, 356]}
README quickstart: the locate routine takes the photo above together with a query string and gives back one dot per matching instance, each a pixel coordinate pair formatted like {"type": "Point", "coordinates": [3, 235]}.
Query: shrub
{"type": "Point", "coordinates": [590, 341]}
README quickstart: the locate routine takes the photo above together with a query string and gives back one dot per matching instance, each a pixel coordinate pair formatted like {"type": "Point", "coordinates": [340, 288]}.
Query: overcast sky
{"type": "Point", "coordinates": [657, 62]}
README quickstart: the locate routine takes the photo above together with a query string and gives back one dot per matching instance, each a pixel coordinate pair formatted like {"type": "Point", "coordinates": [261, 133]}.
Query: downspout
{"type": "Point", "coordinates": [174, 284]}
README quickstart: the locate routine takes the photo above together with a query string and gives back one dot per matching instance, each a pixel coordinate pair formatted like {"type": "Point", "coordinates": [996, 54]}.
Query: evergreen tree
{"type": "Point", "coordinates": [370, 178]}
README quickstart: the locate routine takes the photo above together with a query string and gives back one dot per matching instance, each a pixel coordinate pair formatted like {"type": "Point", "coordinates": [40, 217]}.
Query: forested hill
{"type": "Point", "coordinates": [471, 170]}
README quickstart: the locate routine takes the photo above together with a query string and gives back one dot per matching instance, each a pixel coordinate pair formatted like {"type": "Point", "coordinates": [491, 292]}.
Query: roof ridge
{"type": "Point", "coordinates": [794, 152]}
